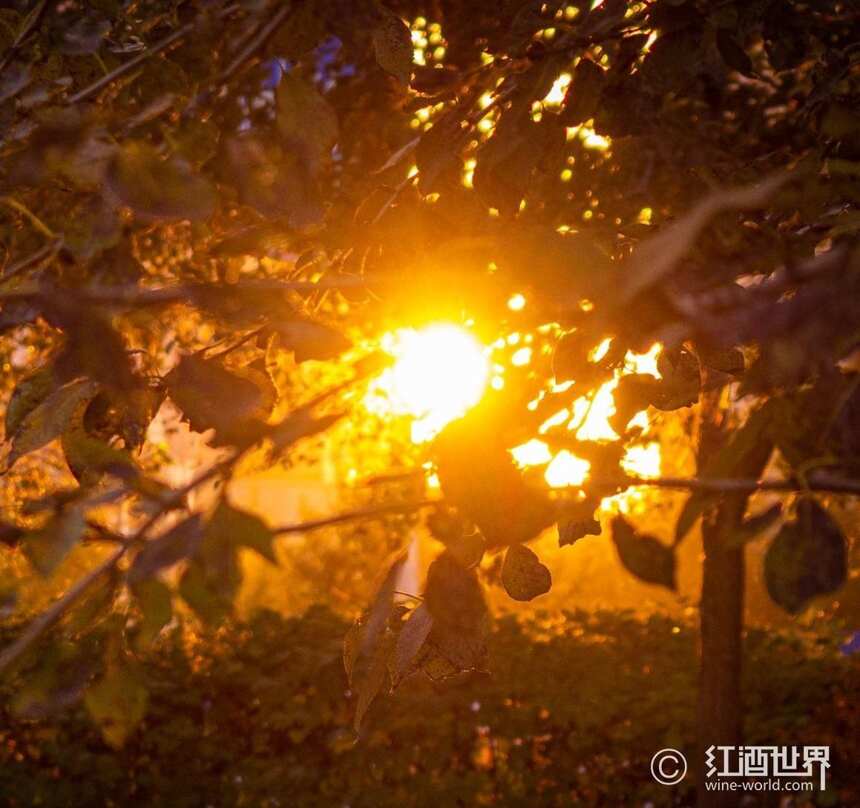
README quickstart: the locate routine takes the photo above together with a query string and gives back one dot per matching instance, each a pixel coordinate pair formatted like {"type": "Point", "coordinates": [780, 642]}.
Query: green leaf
{"type": "Point", "coordinates": [392, 43]}
{"type": "Point", "coordinates": [156, 605]}
{"type": "Point", "coordinates": [51, 417]}
{"type": "Point", "coordinates": [230, 526]}
{"type": "Point", "coordinates": [413, 634]}
{"type": "Point", "coordinates": [306, 120]}
{"type": "Point", "coordinates": [197, 386]}
{"type": "Point", "coordinates": [177, 544]}
{"type": "Point", "coordinates": [117, 702]}
{"type": "Point", "coordinates": [523, 575]}
{"type": "Point", "coordinates": [369, 685]}
{"type": "Point", "coordinates": [644, 556]}
{"type": "Point", "coordinates": [380, 608]}
{"type": "Point", "coordinates": [47, 547]}
{"type": "Point", "coordinates": [26, 396]}
{"type": "Point", "coordinates": [158, 189]}
{"type": "Point", "coordinates": [201, 593]}
{"type": "Point", "coordinates": [807, 558]}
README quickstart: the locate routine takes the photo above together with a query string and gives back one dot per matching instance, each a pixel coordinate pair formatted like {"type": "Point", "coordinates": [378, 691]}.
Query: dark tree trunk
{"type": "Point", "coordinates": [722, 608]}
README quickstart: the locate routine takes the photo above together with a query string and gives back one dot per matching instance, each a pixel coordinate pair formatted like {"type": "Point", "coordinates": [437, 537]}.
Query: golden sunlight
{"type": "Point", "coordinates": [590, 420]}
{"type": "Point", "coordinates": [438, 374]}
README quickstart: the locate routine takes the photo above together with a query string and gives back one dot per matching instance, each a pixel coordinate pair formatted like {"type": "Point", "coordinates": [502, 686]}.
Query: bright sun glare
{"type": "Point", "coordinates": [439, 373]}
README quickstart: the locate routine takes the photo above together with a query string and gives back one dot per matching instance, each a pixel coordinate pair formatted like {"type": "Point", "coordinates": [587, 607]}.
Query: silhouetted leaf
{"type": "Point", "coordinates": [306, 120]}
{"type": "Point", "coordinates": [198, 589]}
{"type": "Point", "coordinates": [197, 386]}
{"type": "Point", "coordinates": [410, 640]}
{"type": "Point", "coordinates": [392, 43]}
{"type": "Point", "coordinates": [310, 340]}
{"type": "Point", "coordinates": [50, 418]}
{"type": "Point", "coordinates": [807, 558]}
{"type": "Point", "coordinates": [681, 380]}
{"type": "Point", "coordinates": [26, 396]}
{"type": "Point", "coordinates": [733, 54]}
{"type": "Point", "coordinates": [455, 601]}
{"type": "Point", "coordinates": [576, 523]}
{"type": "Point", "coordinates": [156, 605]}
{"type": "Point", "coordinates": [229, 525]}
{"type": "Point", "coordinates": [583, 94]}
{"type": "Point", "coordinates": [379, 610]}
{"type": "Point", "coordinates": [644, 556]}
{"type": "Point", "coordinates": [177, 544]}
{"type": "Point", "coordinates": [523, 575]}
{"type": "Point", "coordinates": [479, 477]}
{"type": "Point", "coordinates": [47, 547]}
{"type": "Point", "coordinates": [370, 683]}
{"type": "Point", "coordinates": [726, 360]}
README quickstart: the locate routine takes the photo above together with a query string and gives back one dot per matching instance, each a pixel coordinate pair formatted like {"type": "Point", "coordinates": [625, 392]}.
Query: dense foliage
{"type": "Point", "coordinates": [201, 198]}
{"type": "Point", "coordinates": [256, 716]}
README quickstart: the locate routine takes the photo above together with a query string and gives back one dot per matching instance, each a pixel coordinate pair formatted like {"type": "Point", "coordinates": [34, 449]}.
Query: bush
{"type": "Point", "coordinates": [576, 704]}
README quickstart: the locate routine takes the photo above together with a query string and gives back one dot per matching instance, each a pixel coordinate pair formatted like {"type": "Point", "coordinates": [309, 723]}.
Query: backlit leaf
{"type": "Point", "coordinates": [177, 544]}
{"type": "Point", "coordinates": [807, 558]}
{"type": "Point", "coordinates": [117, 702]}
{"type": "Point", "coordinates": [410, 640]}
{"type": "Point", "coordinates": [50, 418]}
{"type": "Point", "coordinates": [393, 45]}
{"type": "Point", "coordinates": [644, 556]}
{"type": "Point", "coordinates": [523, 575]}
{"type": "Point", "coordinates": [306, 120]}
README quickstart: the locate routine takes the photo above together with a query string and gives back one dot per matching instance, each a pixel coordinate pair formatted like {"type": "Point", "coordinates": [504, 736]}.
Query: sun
{"type": "Point", "coordinates": [439, 373]}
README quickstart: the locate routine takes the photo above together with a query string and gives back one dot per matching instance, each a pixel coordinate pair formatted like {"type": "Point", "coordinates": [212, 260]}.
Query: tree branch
{"type": "Point", "coordinates": [821, 481]}
{"type": "Point", "coordinates": [137, 296]}
{"type": "Point", "coordinates": [359, 513]}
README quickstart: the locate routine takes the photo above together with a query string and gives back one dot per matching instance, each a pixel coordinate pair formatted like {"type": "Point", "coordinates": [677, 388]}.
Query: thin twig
{"type": "Point", "coordinates": [30, 22]}
{"type": "Point", "coordinates": [821, 481]}
{"type": "Point", "coordinates": [15, 205]}
{"type": "Point", "coordinates": [44, 253]}
{"type": "Point", "coordinates": [263, 33]}
{"type": "Point", "coordinates": [136, 296]}
{"type": "Point", "coordinates": [359, 513]}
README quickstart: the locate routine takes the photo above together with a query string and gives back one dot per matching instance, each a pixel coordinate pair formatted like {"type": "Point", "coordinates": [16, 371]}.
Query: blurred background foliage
{"type": "Point", "coordinates": [255, 714]}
